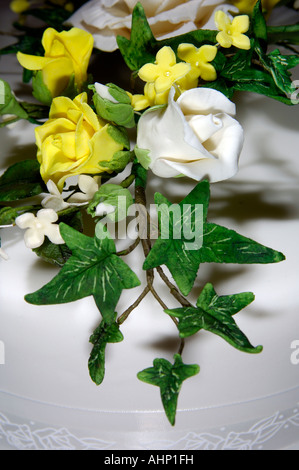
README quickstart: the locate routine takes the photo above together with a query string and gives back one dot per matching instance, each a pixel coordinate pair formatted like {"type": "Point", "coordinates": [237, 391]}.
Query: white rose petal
{"type": "Point", "coordinates": [105, 19]}
{"type": "Point", "coordinates": [195, 136]}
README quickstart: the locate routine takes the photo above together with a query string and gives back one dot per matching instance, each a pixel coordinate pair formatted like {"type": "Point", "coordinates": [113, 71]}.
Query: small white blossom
{"type": "Point", "coordinates": [54, 200]}
{"type": "Point", "coordinates": [89, 186]}
{"type": "Point", "coordinates": [39, 226]}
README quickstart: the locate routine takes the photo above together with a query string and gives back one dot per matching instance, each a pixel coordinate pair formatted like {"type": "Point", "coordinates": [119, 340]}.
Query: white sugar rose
{"type": "Point", "coordinates": [105, 19]}
{"type": "Point", "coordinates": [195, 136]}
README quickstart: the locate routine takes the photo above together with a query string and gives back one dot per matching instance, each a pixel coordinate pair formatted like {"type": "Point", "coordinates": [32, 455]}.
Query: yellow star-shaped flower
{"type": "Point", "coordinates": [165, 71]}
{"type": "Point", "coordinates": [149, 98]}
{"type": "Point", "coordinates": [231, 32]}
{"type": "Point", "coordinates": [199, 59]}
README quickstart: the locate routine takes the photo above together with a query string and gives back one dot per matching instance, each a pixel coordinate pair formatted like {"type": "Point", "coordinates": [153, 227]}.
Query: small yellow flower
{"type": "Point", "coordinates": [231, 32]}
{"type": "Point", "coordinates": [165, 71]}
{"type": "Point", "coordinates": [199, 59]}
{"type": "Point", "coordinates": [66, 54]}
{"type": "Point", "coordinates": [184, 84]}
{"type": "Point", "coordinates": [19, 6]}
{"type": "Point", "coordinates": [149, 98]}
{"type": "Point", "coordinates": [73, 141]}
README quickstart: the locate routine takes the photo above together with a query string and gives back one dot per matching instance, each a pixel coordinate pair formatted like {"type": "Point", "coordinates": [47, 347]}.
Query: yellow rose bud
{"type": "Point", "coordinates": [66, 54]}
{"type": "Point", "coordinates": [73, 141]}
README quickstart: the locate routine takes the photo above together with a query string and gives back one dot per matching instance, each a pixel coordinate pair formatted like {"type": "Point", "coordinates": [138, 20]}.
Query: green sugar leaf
{"type": "Point", "coordinates": [211, 243]}
{"type": "Point", "coordinates": [214, 314]}
{"type": "Point", "coordinates": [8, 102]}
{"type": "Point", "coordinates": [104, 334]}
{"type": "Point", "coordinates": [169, 378]}
{"type": "Point", "coordinates": [142, 46]}
{"type": "Point", "coordinates": [93, 269]}
{"type": "Point", "coordinates": [21, 180]}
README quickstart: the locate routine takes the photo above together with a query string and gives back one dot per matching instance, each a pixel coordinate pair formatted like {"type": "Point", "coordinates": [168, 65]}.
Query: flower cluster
{"type": "Point", "coordinates": [196, 132]}
{"type": "Point", "coordinates": [194, 63]}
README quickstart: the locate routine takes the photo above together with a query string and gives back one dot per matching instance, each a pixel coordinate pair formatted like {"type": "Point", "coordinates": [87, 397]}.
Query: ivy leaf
{"type": "Point", "coordinates": [93, 269]}
{"type": "Point", "coordinates": [21, 180]}
{"type": "Point", "coordinates": [169, 378]}
{"type": "Point", "coordinates": [212, 243]}
{"type": "Point", "coordinates": [258, 25]}
{"type": "Point", "coordinates": [214, 314]}
{"type": "Point", "coordinates": [105, 333]}
{"type": "Point", "coordinates": [138, 50]}
{"type": "Point", "coordinates": [288, 34]}
{"type": "Point", "coordinates": [142, 46]}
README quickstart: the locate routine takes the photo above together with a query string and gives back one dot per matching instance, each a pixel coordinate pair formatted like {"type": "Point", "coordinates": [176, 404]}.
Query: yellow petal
{"type": "Point", "coordinates": [56, 75]}
{"type": "Point", "coordinates": [149, 72]}
{"type": "Point", "coordinates": [139, 102]}
{"type": "Point", "coordinates": [166, 57]}
{"type": "Point", "coordinates": [221, 20]}
{"type": "Point", "coordinates": [240, 24]}
{"type": "Point", "coordinates": [50, 34]}
{"type": "Point", "coordinates": [52, 127]}
{"type": "Point", "coordinates": [207, 53]}
{"type": "Point", "coordinates": [241, 41]}
{"type": "Point", "coordinates": [163, 83]}
{"type": "Point", "coordinates": [32, 62]}
{"type": "Point", "coordinates": [103, 149]}
{"type": "Point", "coordinates": [208, 72]}
{"type": "Point", "coordinates": [60, 107]}
{"type": "Point", "coordinates": [224, 39]}
{"type": "Point", "coordinates": [187, 52]}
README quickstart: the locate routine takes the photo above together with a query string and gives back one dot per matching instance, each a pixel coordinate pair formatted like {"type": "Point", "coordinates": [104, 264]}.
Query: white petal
{"type": "Point", "coordinates": [167, 134]}
{"type": "Point", "coordinates": [103, 91]}
{"type": "Point", "coordinates": [47, 216]}
{"type": "Point", "coordinates": [87, 184]}
{"type": "Point", "coordinates": [34, 238]}
{"type": "Point", "coordinates": [225, 146]}
{"type": "Point", "coordinates": [204, 126]}
{"type": "Point", "coordinates": [205, 101]}
{"type": "Point", "coordinates": [54, 202]}
{"type": "Point", "coordinates": [25, 220]}
{"type": "Point", "coordinates": [53, 233]}
{"type": "Point", "coordinates": [105, 19]}
{"type": "Point", "coordinates": [52, 188]}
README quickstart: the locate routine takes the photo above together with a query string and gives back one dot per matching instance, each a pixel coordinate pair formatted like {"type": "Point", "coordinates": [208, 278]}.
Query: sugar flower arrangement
{"type": "Point", "coordinates": [98, 142]}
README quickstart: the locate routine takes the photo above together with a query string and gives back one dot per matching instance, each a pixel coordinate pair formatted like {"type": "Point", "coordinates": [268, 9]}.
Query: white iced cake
{"type": "Point", "coordinates": [238, 400]}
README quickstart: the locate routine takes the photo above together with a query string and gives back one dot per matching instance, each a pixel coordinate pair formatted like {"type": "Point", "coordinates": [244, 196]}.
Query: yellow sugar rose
{"type": "Point", "coordinates": [67, 54]}
{"type": "Point", "coordinates": [74, 141]}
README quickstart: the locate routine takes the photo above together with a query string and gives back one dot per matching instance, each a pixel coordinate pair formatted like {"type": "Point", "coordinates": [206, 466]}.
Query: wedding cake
{"type": "Point", "coordinates": [237, 401]}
